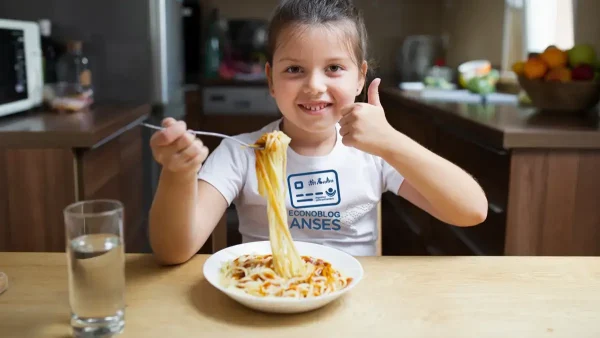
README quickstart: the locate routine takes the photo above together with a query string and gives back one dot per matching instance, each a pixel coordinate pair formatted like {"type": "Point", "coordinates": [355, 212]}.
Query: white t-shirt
{"type": "Point", "coordinates": [330, 200]}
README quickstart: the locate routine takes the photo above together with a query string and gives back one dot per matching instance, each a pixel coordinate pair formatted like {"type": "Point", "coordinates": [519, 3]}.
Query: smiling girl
{"type": "Point", "coordinates": [342, 157]}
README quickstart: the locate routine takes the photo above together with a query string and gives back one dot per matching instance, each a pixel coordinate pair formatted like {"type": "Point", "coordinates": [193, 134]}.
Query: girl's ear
{"type": "Point", "coordinates": [268, 73]}
{"type": "Point", "coordinates": [362, 77]}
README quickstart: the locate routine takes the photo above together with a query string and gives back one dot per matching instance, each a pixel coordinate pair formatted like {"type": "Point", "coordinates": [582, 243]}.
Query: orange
{"type": "Point", "coordinates": [554, 57]}
{"type": "Point", "coordinates": [559, 74]}
{"type": "Point", "coordinates": [518, 67]}
{"type": "Point", "coordinates": [535, 68]}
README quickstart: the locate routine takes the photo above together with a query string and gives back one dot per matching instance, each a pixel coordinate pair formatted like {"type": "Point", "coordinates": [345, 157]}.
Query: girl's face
{"type": "Point", "coordinates": [314, 75]}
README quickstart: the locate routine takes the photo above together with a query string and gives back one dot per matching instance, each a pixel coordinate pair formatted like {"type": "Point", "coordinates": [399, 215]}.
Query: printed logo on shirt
{"type": "Point", "coordinates": [315, 220]}
{"type": "Point", "coordinates": [314, 189]}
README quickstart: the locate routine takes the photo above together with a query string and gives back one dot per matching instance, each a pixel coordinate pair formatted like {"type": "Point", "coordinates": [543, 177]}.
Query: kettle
{"type": "Point", "coordinates": [417, 55]}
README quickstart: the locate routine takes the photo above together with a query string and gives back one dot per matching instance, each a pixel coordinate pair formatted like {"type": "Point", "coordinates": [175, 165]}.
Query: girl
{"type": "Point", "coordinates": [343, 155]}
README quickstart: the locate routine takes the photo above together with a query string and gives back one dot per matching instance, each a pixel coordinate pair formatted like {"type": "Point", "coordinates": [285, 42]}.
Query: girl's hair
{"type": "Point", "coordinates": [318, 12]}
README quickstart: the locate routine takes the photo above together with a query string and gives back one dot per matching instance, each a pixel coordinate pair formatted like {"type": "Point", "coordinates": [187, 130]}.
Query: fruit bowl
{"type": "Point", "coordinates": [561, 96]}
{"type": "Point", "coordinates": [561, 80]}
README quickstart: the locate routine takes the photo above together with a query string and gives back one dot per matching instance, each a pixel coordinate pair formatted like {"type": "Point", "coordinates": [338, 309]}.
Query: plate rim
{"type": "Point", "coordinates": [286, 300]}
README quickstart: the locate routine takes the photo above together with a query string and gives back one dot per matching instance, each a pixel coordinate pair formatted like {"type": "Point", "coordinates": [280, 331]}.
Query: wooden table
{"type": "Point", "coordinates": [400, 296]}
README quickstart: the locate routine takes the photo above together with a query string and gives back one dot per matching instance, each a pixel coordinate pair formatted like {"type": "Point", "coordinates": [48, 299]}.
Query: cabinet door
{"type": "Point", "coordinates": [443, 240]}
{"type": "Point", "coordinates": [408, 217]}
{"type": "Point", "coordinates": [4, 225]}
{"type": "Point", "coordinates": [131, 190]}
{"type": "Point", "coordinates": [35, 186]}
{"type": "Point", "coordinates": [404, 227]}
{"type": "Point", "coordinates": [490, 167]}
{"type": "Point", "coordinates": [114, 170]}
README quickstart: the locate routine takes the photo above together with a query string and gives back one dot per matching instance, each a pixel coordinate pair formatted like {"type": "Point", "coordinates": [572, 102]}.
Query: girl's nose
{"type": "Point", "coordinates": [315, 84]}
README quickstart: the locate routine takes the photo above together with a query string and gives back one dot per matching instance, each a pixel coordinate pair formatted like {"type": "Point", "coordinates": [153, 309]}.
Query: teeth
{"type": "Point", "coordinates": [314, 108]}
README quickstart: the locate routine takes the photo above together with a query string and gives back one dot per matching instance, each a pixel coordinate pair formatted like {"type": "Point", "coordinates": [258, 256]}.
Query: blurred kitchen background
{"type": "Point", "coordinates": [149, 50]}
{"type": "Point", "coordinates": [202, 61]}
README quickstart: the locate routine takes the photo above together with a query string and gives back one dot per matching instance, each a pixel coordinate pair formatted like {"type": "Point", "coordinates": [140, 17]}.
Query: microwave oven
{"type": "Point", "coordinates": [21, 78]}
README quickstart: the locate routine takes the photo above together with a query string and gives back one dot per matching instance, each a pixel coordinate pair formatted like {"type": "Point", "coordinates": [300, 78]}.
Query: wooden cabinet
{"type": "Point", "coordinates": [39, 178]}
{"type": "Point", "coordinates": [115, 171]}
{"type": "Point", "coordinates": [488, 165]}
{"type": "Point", "coordinates": [541, 198]}
{"type": "Point", "coordinates": [37, 185]}
{"type": "Point", "coordinates": [407, 228]}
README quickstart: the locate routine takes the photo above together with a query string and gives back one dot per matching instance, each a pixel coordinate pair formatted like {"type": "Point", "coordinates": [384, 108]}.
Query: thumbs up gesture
{"type": "Point", "coordinates": [364, 126]}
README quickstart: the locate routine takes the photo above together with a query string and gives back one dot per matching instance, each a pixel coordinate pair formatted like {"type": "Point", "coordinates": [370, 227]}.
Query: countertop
{"type": "Point", "coordinates": [75, 130]}
{"type": "Point", "coordinates": [501, 125]}
{"type": "Point", "coordinates": [502, 296]}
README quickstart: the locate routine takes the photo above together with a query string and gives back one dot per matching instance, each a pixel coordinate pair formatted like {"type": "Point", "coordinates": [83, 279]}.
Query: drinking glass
{"type": "Point", "coordinates": [96, 267]}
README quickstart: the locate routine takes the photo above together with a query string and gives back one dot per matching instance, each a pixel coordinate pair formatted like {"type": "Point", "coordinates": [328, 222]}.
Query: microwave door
{"type": "Point", "coordinates": [13, 66]}
{"type": "Point", "coordinates": [21, 79]}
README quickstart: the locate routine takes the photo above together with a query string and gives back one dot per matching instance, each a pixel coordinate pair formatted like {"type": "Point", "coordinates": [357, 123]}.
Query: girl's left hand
{"type": "Point", "coordinates": [364, 126]}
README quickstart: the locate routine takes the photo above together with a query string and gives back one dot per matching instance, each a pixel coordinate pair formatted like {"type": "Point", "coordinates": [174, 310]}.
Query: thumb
{"type": "Point", "coordinates": [373, 92]}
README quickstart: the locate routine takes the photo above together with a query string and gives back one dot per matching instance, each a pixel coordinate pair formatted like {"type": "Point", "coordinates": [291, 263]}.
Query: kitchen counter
{"type": "Point", "coordinates": [49, 160]}
{"type": "Point", "coordinates": [399, 296]}
{"type": "Point", "coordinates": [503, 126]}
{"type": "Point", "coordinates": [78, 130]}
{"type": "Point", "coordinates": [539, 173]}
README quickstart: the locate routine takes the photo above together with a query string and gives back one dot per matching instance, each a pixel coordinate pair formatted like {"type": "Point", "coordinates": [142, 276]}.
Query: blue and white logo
{"type": "Point", "coordinates": [314, 189]}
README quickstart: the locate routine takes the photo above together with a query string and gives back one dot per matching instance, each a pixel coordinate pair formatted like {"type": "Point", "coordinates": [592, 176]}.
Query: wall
{"type": "Point", "coordinates": [119, 51]}
{"type": "Point", "coordinates": [587, 25]}
{"type": "Point", "coordinates": [475, 28]}
{"type": "Point", "coordinates": [387, 21]}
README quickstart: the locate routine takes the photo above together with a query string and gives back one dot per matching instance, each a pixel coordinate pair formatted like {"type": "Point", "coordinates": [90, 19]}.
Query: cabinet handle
{"type": "Point", "coordinates": [495, 208]}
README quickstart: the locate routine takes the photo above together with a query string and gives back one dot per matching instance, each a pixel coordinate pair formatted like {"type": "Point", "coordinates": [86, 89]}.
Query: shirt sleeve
{"type": "Point", "coordinates": [392, 179]}
{"type": "Point", "coordinates": [225, 169]}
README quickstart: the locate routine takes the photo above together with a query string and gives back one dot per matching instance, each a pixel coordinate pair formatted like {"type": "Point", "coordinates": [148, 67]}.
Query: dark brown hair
{"type": "Point", "coordinates": [318, 12]}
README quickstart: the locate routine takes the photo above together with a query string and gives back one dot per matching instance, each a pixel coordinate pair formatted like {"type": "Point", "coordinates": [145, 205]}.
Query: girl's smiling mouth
{"type": "Point", "coordinates": [315, 108]}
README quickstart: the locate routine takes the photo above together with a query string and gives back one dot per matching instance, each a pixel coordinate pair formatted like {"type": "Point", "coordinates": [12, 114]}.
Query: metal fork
{"type": "Point", "coordinates": [207, 133]}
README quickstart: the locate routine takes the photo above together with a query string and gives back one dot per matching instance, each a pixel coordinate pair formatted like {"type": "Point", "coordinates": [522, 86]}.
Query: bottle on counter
{"type": "Point", "coordinates": [74, 79]}
{"type": "Point", "coordinates": [73, 69]}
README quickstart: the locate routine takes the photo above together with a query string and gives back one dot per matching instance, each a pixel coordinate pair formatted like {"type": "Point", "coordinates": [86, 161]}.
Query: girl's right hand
{"type": "Point", "coordinates": [177, 150]}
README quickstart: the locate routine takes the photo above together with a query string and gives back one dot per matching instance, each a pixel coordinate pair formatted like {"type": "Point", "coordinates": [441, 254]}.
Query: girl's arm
{"type": "Point", "coordinates": [184, 213]}
{"type": "Point", "coordinates": [431, 182]}
{"type": "Point", "coordinates": [434, 184]}
{"type": "Point", "coordinates": [186, 208]}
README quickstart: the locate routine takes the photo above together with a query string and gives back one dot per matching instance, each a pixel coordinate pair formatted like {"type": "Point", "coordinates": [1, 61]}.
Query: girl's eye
{"type": "Point", "coordinates": [292, 69]}
{"type": "Point", "coordinates": [334, 68]}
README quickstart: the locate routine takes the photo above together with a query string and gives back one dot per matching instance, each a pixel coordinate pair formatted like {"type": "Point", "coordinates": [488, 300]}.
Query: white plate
{"type": "Point", "coordinates": [341, 261]}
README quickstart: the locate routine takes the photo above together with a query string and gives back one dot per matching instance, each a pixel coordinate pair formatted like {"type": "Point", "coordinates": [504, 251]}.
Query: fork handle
{"type": "Point", "coordinates": [207, 133]}
{"type": "Point", "coordinates": [190, 131]}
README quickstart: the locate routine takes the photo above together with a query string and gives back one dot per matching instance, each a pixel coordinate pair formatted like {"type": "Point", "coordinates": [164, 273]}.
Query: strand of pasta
{"type": "Point", "coordinates": [271, 168]}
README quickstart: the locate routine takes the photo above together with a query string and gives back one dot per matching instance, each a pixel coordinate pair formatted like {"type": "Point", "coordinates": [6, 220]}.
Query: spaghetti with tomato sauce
{"type": "Point", "coordinates": [255, 275]}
